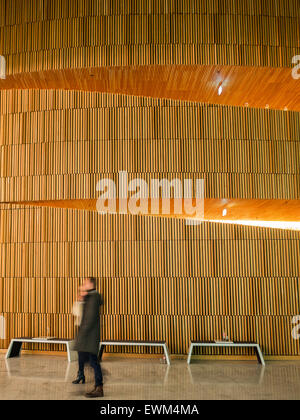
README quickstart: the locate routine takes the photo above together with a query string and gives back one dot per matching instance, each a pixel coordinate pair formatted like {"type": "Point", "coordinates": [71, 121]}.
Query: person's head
{"type": "Point", "coordinates": [89, 284]}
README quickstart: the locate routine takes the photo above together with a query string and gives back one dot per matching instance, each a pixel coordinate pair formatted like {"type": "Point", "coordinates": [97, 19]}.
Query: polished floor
{"type": "Point", "coordinates": [49, 378]}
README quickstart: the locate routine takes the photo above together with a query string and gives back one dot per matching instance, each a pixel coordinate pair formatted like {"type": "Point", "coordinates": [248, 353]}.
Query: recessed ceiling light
{"type": "Point", "coordinates": [286, 108]}
{"type": "Point", "coordinates": [267, 106]}
{"type": "Point", "coordinates": [224, 214]}
{"type": "Point", "coordinates": [246, 104]}
{"type": "Point", "coordinates": [220, 90]}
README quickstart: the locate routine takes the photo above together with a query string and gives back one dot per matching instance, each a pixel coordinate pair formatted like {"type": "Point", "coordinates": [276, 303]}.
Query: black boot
{"type": "Point", "coordinates": [96, 393]}
{"type": "Point", "coordinates": [80, 379]}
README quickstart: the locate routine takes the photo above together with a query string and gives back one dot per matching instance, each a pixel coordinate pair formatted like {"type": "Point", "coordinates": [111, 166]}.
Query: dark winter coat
{"type": "Point", "coordinates": [88, 338]}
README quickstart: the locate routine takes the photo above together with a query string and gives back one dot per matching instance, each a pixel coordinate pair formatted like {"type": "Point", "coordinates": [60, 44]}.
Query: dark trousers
{"type": "Point", "coordinates": [83, 358]}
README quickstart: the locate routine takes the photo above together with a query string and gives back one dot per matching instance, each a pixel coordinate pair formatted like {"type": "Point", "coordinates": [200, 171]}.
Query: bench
{"type": "Point", "coordinates": [136, 343]}
{"type": "Point", "coordinates": [15, 347]}
{"type": "Point", "coordinates": [224, 344]}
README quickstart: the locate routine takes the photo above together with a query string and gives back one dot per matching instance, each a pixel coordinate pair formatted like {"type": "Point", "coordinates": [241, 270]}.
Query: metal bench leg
{"type": "Point", "coordinates": [67, 372]}
{"type": "Point", "coordinates": [72, 356]}
{"type": "Point", "coordinates": [190, 354]}
{"type": "Point", "coordinates": [260, 356]}
{"type": "Point", "coordinates": [14, 349]}
{"type": "Point", "coordinates": [68, 353]}
{"type": "Point", "coordinates": [167, 354]}
{"type": "Point", "coordinates": [101, 350]}
{"type": "Point", "coordinates": [8, 353]}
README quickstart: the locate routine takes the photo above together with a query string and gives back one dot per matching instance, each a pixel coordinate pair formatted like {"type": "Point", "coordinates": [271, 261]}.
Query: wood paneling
{"type": "Point", "coordinates": [160, 278]}
{"type": "Point", "coordinates": [58, 145]}
{"type": "Point", "coordinates": [237, 209]}
{"type": "Point", "coordinates": [256, 87]}
{"type": "Point", "coordinates": [48, 35]}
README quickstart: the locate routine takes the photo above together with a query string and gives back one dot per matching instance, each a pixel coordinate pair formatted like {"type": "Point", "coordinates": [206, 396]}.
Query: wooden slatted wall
{"type": "Point", "coordinates": [160, 278]}
{"type": "Point", "coordinates": [55, 145]}
{"type": "Point", "coordinates": [39, 35]}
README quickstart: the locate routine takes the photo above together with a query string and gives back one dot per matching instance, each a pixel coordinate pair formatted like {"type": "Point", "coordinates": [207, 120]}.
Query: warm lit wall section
{"type": "Point", "coordinates": [56, 34]}
{"type": "Point", "coordinates": [160, 278]}
{"type": "Point", "coordinates": [56, 145]}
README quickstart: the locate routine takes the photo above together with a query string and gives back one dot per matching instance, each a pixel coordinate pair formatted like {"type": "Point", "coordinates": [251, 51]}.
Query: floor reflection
{"type": "Point", "coordinates": [50, 378]}
{"type": "Point", "coordinates": [253, 375]}
{"type": "Point", "coordinates": [18, 368]}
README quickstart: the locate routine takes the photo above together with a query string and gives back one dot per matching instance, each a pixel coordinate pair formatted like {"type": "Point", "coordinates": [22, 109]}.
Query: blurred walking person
{"type": "Point", "coordinates": [88, 338]}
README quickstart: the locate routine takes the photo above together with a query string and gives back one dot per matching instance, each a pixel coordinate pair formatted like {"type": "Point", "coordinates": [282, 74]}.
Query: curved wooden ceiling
{"type": "Point", "coordinates": [256, 87]}
{"type": "Point", "coordinates": [237, 209]}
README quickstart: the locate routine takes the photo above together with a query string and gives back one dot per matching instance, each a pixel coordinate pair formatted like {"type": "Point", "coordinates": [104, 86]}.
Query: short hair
{"type": "Point", "coordinates": [93, 281]}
